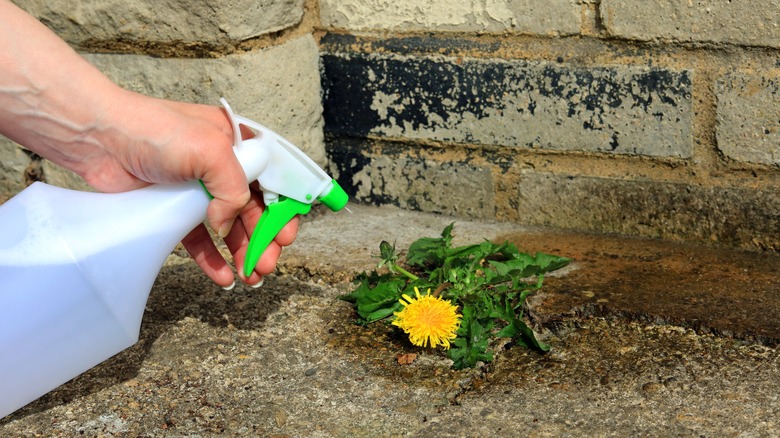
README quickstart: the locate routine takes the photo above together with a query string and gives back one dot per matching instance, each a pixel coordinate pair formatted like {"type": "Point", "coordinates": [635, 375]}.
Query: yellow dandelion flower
{"type": "Point", "coordinates": [428, 320]}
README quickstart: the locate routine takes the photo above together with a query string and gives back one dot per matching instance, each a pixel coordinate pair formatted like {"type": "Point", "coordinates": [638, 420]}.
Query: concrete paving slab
{"type": "Point", "coordinates": [286, 360]}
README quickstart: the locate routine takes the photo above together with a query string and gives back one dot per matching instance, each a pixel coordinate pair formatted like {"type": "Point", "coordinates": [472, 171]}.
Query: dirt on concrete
{"type": "Point", "coordinates": [726, 292]}
{"type": "Point", "coordinates": [648, 338]}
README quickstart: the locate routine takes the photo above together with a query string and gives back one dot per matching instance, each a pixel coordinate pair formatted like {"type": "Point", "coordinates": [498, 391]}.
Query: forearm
{"type": "Point", "coordinates": [55, 103]}
{"type": "Point", "coordinates": [51, 99]}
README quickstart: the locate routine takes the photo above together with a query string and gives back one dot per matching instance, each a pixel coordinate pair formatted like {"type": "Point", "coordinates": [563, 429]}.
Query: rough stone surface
{"type": "Point", "coordinates": [609, 378]}
{"type": "Point", "coordinates": [469, 185]}
{"type": "Point", "coordinates": [658, 281]}
{"type": "Point", "coordinates": [749, 118]}
{"type": "Point", "coordinates": [615, 110]}
{"type": "Point", "coordinates": [13, 160]}
{"type": "Point", "coordinates": [389, 174]}
{"type": "Point", "coordinates": [755, 23]}
{"type": "Point", "coordinates": [61, 177]}
{"type": "Point", "coordinates": [738, 217]}
{"type": "Point", "coordinates": [286, 360]}
{"type": "Point", "coordinates": [278, 87]}
{"type": "Point", "coordinates": [19, 167]}
{"type": "Point", "coordinates": [164, 21]}
{"type": "Point", "coordinates": [553, 17]}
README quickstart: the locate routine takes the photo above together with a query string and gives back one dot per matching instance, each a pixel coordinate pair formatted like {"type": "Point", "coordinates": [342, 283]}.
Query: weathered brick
{"type": "Point", "coordinates": [742, 217]}
{"type": "Point", "coordinates": [390, 175]}
{"type": "Point", "coordinates": [616, 110]}
{"type": "Point", "coordinates": [549, 17]}
{"type": "Point", "coordinates": [164, 20]}
{"type": "Point", "coordinates": [748, 114]}
{"type": "Point", "coordinates": [738, 22]}
{"type": "Point", "coordinates": [278, 87]}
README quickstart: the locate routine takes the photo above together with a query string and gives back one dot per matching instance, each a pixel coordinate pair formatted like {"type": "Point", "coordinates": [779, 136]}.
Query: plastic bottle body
{"type": "Point", "coordinates": [76, 269]}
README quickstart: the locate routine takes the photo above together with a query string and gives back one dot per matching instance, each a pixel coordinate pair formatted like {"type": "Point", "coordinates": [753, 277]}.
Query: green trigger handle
{"type": "Point", "coordinates": [274, 218]}
{"type": "Point", "coordinates": [278, 214]}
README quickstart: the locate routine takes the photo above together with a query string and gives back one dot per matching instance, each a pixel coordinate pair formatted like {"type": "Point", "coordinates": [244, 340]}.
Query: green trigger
{"type": "Point", "coordinates": [274, 218]}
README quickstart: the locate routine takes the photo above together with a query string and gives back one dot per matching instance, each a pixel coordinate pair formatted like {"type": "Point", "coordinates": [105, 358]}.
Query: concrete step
{"type": "Point", "coordinates": [637, 329]}
{"type": "Point", "coordinates": [713, 290]}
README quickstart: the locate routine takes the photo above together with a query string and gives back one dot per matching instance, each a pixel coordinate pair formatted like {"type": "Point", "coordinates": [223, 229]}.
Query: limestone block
{"type": "Point", "coordinates": [61, 177]}
{"type": "Point", "coordinates": [549, 17]}
{"type": "Point", "coordinates": [278, 87]}
{"type": "Point", "coordinates": [455, 184]}
{"type": "Point", "coordinates": [13, 162]}
{"type": "Point", "coordinates": [164, 20]}
{"type": "Point", "coordinates": [616, 110]}
{"type": "Point", "coordinates": [393, 175]}
{"type": "Point", "coordinates": [749, 117]}
{"type": "Point", "coordinates": [740, 217]}
{"type": "Point", "coordinates": [754, 22]}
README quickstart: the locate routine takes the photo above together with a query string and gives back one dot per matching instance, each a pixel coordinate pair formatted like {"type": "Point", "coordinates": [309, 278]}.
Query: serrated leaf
{"type": "Point", "coordinates": [380, 301]}
{"type": "Point", "coordinates": [549, 263]}
{"type": "Point", "coordinates": [489, 282]}
{"type": "Point", "coordinates": [530, 338]}
{"type": "Point", "coordinates": [472, 342]}
{"type": "Point", "coordinates": [429, 250]}
{"type": "Point", "coordinates": [383, 312]}
{"type": "Point", "coordinates": [519, 330]}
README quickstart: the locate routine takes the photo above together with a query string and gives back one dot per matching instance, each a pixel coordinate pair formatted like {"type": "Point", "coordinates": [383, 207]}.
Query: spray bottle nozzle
{"type": "Point", "coordinates": [289, 179]}
{"type": "Point", "coordinates": [336, 198]}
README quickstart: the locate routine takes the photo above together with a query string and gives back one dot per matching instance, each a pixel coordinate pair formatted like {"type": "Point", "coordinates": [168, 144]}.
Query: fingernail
{"type": "Point", "coordinates": [232, 285]}
{"type": "Point", "coordinates": [225, 229]}
{"type": "Point", "coordinates": [258, 284]}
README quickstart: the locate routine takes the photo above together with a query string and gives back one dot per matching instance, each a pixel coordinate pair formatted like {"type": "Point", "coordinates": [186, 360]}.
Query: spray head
{"type": "Point", "coordinates": [289, 179]}
{"type": "Point", "coordinates": [336, 198]}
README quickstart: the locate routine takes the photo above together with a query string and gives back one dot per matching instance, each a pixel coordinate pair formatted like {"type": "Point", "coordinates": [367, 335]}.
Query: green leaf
{"type": "Point", "coordinates": [383, 313]}
{"type": "Point", "coordinates": [379, 301]}
{"type": "Point", "coordinates": [549, 263]}
{"type": "Point", "coordinates": [387, 254]}
{"type": "Point", "coordinates": [429, 250]}
{"type": "Point", "coordinates": [471, 344]}
{"type": "Point", "coordinates": [519, 330]}
{"type": "Point", "coordinates": [489, 282]}
{"type": "Point", "coordinates": [501, 268]}
{"type": "Point", "coordinates": [529, 338]}
{"type": "Point", "coordinates": [378, 297]}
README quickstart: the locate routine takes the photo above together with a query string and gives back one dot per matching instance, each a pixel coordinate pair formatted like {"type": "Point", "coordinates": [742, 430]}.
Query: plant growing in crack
{"type": "Point", "coordinates": [487, 282]}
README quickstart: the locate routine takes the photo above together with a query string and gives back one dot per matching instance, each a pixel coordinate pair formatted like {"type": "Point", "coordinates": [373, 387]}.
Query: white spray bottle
{"type": "Point", "coordinates": [76, 268]}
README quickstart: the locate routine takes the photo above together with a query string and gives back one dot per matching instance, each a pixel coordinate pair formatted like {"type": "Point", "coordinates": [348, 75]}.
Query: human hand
{"type": "Point", "coordinates": [177, 141]}
{"type": "Point", "coordinates": [63, 108]}
{"type": "Point", "coordinates": [201, 247]}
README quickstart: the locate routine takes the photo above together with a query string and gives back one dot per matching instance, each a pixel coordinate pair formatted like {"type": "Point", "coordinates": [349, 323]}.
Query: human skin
{"type": "Point", "coordinates": [55, 103]}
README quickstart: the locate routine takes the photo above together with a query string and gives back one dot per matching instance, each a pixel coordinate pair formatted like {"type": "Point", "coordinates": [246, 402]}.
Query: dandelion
{"type": "Point", "coordinates": [428, 320]}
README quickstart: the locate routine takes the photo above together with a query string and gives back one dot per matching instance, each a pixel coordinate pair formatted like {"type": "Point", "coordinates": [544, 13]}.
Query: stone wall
{"type": "Point", "coordinates": [260, 55]}
{"type": "Point", "coordinates": [642, 117]}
